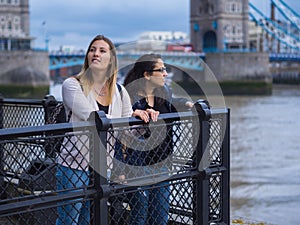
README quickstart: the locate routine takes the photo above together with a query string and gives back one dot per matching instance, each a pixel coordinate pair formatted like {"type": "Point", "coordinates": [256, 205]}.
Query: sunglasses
{"type": "Point", "coordinates": [162, 69]}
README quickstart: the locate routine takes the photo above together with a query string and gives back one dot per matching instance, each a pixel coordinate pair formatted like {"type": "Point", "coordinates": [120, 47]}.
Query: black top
{"type": "Point", "coordinates": [103, 108]}
{"type": "Point", "coordinates": [165, 104]}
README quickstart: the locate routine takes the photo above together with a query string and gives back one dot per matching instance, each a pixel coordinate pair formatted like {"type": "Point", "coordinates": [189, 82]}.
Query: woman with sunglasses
{"type": "Point", "coordinates": [146, 85]}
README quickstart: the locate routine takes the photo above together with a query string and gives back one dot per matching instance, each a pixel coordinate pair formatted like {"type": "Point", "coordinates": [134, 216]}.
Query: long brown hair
{"type": "Point", "coordinates": [85, 76]}
{"type": "Point", "coordinates": [134, 80]}
{"type": "Point", "coordinates": [146, 62]}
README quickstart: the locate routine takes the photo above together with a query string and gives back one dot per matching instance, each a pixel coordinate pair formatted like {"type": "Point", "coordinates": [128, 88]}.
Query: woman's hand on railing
{"type": "Point", "coordinates": [189, 104]}
{"type": "Point", "coordinates": [153, 114]}
{"type": "Point", "coordinates": [141, 114]}
{"type": "Point", "coordinates": [121, 179]}
{"type": "Point", "coordinates": [147, 114]}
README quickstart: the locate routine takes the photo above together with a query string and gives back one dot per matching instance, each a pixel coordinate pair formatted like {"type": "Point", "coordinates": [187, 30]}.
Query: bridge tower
{"type": "Point", "coordinates": [219, 24]}
{"type": "Point", "coordinates": [24, 71]}
{"type": "Point", "coordinates": [15, 27]}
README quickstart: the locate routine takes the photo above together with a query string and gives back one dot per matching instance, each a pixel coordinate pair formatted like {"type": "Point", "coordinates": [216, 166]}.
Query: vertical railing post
{"type": "Point", "coordinates": [226, 174]}
{"type": "Point", "coordinates": [1, 150]}
{"type": "Point", "coordinates": [99, 165]}
{"type": "Point", "coordinates": [201, 189]}
{"type": "Point", "coordinates": [1, 111]}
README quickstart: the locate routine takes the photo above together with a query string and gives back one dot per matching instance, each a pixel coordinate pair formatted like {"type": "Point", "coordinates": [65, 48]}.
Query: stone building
{"type": "Point", "coordinates": [24, 71]}
{"type": "Point", "coordinates": [220, 28]}
{"type": "Point", "coordinates": [219, 24]}
{"type": "Point", "coordinates": [14, 25]}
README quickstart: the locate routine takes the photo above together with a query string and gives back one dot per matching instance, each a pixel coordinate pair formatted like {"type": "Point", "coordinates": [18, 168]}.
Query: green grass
{"type": "Point", "coordinates": [24, 91]}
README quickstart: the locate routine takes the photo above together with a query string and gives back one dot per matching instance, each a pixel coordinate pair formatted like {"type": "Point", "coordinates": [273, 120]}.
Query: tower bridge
{"type": "Point", "coordinates": [280, 34]}
{"type": "Point", "coordinates": [191, 60]}
{"type": "Point", "coordinates": [221, 27]}
{"type": "Point", "coordinates": [225, 25]}
{"type": "Point", "coordinates": [235, 40]}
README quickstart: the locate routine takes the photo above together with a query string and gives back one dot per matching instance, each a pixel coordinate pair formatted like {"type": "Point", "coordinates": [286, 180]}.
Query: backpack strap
{"type": "Point", "coordinates": [120, 90]}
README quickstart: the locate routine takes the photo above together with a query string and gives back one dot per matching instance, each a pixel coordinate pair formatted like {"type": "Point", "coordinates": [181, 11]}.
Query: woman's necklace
{"type": "Point", "coordinates": [102, 92]}
{"type": "Point", "coordinates": [149, 99]}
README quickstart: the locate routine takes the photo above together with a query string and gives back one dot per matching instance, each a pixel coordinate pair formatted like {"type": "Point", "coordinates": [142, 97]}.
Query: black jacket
{"type": "Point", "coordinates": [160, 139]}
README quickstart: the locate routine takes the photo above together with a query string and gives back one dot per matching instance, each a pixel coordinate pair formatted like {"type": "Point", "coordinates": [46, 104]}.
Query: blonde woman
{"type": "Point", "coordinates": [93, 89]}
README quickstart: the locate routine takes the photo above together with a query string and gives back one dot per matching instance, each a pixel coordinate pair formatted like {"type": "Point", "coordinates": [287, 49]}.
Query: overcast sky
{"type": "Point", "coordinates": [76, 22]}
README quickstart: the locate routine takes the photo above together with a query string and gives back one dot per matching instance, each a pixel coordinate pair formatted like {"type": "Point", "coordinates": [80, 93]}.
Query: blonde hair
{"type": "Point", "coordinates": [85, 76]}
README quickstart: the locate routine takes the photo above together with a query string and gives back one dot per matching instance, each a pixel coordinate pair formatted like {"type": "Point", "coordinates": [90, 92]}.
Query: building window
{"type": "Point", "coordinates": [9, 26]}
{"type": "Point", "coordinates": [16, 20]}
{"type": "Point", "coordinates": [233, 7]}
{"type": "Point", "coordinates": [212, 8]}
{"type": "Point", "coordinates": [239, 7]}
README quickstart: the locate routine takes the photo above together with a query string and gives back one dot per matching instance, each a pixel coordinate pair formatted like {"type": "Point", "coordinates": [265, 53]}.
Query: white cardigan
{"type": "Point", "coordinates": [77, 155]}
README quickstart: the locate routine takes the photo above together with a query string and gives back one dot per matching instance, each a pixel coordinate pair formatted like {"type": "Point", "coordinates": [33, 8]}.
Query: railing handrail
{"type": "Point", "coordinates": [21, 101]}
{"type": "Point", "coordinates": [10, 133]}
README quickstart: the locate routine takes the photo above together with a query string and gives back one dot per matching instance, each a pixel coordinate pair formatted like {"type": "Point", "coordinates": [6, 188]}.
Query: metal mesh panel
{"type": "Point", "coordinates": [47, 215]}
{"type": "Point", "coordinates": [217, 132]}
{"type": "Point", "coordinates": [185, 139]}
{"type": "Point", "coordinates": [182, 207]}
{"type": "Point", "coordinates": [26, 167]}
{"type": "Point", "coordinates": [28, 170]}
{"type": "Point", "coordinates": [215, 197]}
{"type": "Point", "coordinates": [39, 217]}
{"type": "Point", "coordinates": [16, 115]}
{"type": "Point", "coordinates": [145, 146]}
{"type": "Point", "coordinates": [147, 177]}
{"type": "Point", "coordinates": [179, 196]}
{"type": "Point", "coordinates": [215, 141]}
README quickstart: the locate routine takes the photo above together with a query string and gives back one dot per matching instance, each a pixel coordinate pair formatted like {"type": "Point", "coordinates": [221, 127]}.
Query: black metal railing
{"type": "Point", "coordinates": [21, 112]}
{"type": "Point", "coordinates": [194, 174]}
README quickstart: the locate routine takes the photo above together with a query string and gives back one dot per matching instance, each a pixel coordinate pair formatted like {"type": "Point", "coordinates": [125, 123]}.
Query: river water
{"type": "Point", "coordinates": [265, 155]}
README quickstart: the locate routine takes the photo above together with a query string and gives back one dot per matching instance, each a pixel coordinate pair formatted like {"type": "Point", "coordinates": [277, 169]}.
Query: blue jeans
{"type": "Point", "coordinates": [78, 212]}
{"type": "Point", "coordinates": [150, 206]}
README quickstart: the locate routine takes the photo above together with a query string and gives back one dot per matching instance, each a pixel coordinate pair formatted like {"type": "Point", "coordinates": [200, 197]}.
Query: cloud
{"type": "Point", "coordinates": [76, 22]}
{"type": "Point", "coordinates": [95, 11]}
{"type": "Point", "coordinates": [117, 19]}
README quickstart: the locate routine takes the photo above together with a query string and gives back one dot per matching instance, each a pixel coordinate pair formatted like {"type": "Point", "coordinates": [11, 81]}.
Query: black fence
{"type": "Point", "coordinates": [191, 177]}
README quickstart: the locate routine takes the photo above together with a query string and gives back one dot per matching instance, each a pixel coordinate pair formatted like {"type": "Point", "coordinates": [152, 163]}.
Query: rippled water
{"type": "Point", "coordinates": [265, 155]}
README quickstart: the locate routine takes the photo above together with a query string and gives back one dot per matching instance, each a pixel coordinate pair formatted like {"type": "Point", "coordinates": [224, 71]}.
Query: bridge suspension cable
{"type": "Point", "coordinates": [279, 32]}
{"type": "Point", "coordinates": [287, 12]}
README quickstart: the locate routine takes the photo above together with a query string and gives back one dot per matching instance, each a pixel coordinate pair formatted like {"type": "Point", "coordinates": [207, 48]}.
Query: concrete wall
{"type": "Point", "coordinates": [24, 74]}
{"type": "Point", "coordinates": [230, 66]}
{"type": "Point", "coordinates": [37, 60]}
